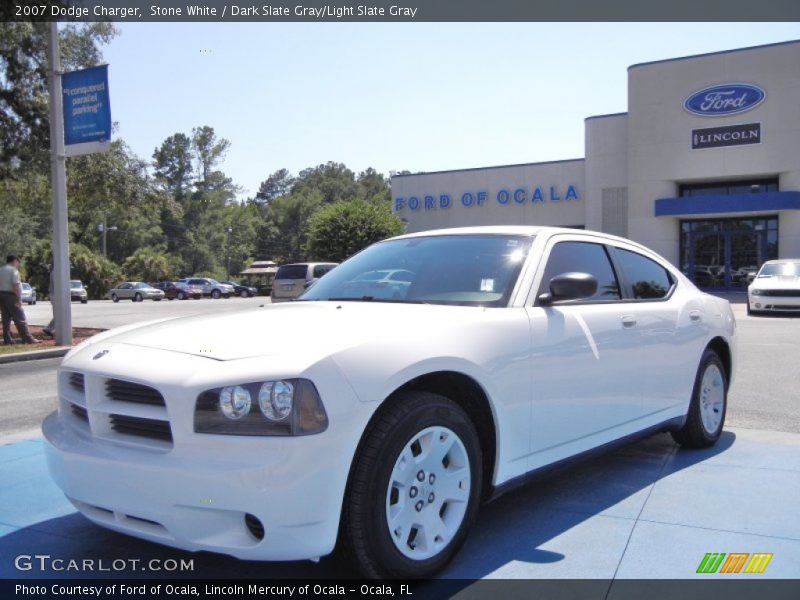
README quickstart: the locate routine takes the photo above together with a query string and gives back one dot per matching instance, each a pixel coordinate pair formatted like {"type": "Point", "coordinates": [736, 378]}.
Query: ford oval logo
{"type": "Point", "coordinates": [724, 99]}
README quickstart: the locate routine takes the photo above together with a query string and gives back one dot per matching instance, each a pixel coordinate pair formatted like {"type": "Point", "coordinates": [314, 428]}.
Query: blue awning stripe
{"type": "Point", "coordinates": [735, 203]}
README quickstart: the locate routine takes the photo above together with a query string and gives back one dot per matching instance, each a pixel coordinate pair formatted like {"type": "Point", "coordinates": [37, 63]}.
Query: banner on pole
{"type": "Point", "coordinates": [87, 111]}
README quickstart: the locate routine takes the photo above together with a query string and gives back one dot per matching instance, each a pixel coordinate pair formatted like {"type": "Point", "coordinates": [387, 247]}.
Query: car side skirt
{"type": "Point", "coordinates": [558, 467]}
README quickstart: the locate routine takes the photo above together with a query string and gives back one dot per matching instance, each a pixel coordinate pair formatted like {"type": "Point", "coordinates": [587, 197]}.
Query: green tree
{"type": "Point", "coordinates": [97, 273]}
{"type": "Point", "coordinates": [282, 234]}
{"type": "Point", "coordinates": [276, 185]}
{"type": "Point", "coordinates": [339, 230]}
{"type": "Point", "coordinates": [147, 264]}
{"type": "Point", "coordinates": [332, 181]}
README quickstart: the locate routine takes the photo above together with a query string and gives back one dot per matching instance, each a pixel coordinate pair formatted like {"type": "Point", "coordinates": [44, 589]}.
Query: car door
{"type": "Point", "coordinates": [125, 291]}
{"type": "Point", "coordinates": [668, 330]}
{"type": "Point", "coordinates": [584, 356]}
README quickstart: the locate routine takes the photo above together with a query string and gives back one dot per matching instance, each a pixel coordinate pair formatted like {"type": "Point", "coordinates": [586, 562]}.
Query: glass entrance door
{"type": "Point", "coordinates": [719, 254]}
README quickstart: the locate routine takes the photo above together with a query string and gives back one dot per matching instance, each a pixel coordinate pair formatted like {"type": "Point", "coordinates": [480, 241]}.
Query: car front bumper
{"type": "Point", "coordinates": [774, 303]}
{"type": "Point", "coordinates": [201, 491]}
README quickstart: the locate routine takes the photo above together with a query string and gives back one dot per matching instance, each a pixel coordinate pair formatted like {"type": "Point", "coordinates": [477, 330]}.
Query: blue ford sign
{"type": "Point", "coordinates": [724, 99]}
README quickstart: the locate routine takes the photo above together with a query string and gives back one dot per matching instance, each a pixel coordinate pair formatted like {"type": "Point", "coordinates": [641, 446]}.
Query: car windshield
{"type": "Point", "coordinates": [26, 286]}
{"type": "Point", "coordinates": [213, 282]}
{"type": "Point", "coordinates": [75, 285]}
{"type": "Point", "coordinates": [776, 269]}
{"type": "Point", "coordinates": [463, 270]}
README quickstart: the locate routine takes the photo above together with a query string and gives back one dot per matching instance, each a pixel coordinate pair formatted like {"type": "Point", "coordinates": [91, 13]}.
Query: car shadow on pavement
{"type": "Point", "coordinates": [584, 514]}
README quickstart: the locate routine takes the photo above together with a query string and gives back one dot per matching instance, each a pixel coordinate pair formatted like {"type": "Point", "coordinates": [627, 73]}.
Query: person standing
{"type": "Point", "coordinates": [11, 302]}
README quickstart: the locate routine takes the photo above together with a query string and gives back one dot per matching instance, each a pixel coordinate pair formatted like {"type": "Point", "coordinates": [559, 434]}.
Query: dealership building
{"type": "Point", "coordinates": [704, 168]}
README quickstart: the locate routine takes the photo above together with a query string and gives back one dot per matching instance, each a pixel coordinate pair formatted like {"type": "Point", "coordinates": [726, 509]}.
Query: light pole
{"type": "Point", "coordinates": [230, 231]}
{"type": "Point", "coordinates": [104, 229]}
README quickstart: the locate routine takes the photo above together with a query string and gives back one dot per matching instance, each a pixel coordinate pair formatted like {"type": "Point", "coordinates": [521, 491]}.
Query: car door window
{"type": "Point", "coordinates": [582, 257]}
{"type": "Point", "coordinates": [320, 270]}
{"type": "Point", "coordinates": [646, 278]}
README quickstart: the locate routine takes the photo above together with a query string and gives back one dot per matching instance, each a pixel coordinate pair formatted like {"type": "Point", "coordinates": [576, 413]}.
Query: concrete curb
{"type": "Point", "coordinates": [35, 355]}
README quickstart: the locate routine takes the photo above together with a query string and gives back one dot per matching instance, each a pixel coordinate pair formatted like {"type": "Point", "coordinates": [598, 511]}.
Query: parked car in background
{"type": "Point", "coordinates": [77, 291]}
{"type": "Point", "coordinates": [179, 290]}
{"type": "Point", "coordinates": [776, 287]}
{"type": "Point", "coordinates": [28, 293]}
{"type": "Point", "coordinates": [245, 291]}
{"type": "Point", "coordinates": [292, 280]}
{"type": "Point", "coordinates": [383, 424]}
{"type": "Point", "coordinates": [136, 291]}
{"type": "Point", "coordinates": [210, 287]}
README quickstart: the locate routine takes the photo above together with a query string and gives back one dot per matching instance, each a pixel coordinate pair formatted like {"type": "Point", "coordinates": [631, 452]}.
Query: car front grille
{"type": "Point", "coordinates": [139, 426]}
{"type": "Point", "coordinates": [79, 412]}
{"type": "Point", "coordinates": [76, 381]}
{"type": "Point", "coordinates": [126, 391]}
{"type": "Point", "coordinates": [782, 293]}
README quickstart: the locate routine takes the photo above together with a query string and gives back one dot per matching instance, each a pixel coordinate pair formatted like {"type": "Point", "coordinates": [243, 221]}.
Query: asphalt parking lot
{"type": "Point", "coordinates": [648, 511]}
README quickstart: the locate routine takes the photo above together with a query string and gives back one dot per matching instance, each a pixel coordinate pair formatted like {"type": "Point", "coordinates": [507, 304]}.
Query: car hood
{"type": "Point", "coordinates": [777, 282]}
{"type": "Point", "coordinates": [311, 329]}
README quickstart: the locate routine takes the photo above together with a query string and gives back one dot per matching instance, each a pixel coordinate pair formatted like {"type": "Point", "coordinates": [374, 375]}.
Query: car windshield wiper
{"type": "Point", "coordinates": [374, 299]}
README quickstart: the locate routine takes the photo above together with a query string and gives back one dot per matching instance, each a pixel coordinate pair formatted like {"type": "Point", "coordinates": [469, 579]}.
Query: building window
{"type": "Point", "coordinates": [728, 188]}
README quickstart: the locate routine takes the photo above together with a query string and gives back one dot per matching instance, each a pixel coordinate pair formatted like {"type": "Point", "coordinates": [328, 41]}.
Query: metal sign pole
{"type": "Point", "coordinates": [60, 296]}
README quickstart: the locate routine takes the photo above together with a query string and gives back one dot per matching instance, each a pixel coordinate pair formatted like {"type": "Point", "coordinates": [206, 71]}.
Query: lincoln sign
{"type": "Point", "coordinates": [731, 135]}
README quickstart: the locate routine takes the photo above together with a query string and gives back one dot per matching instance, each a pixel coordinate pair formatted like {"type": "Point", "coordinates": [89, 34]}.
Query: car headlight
{"type": "Point", "coordinates": [283, 407]}
{"type": "Point", "coordinates": [755, 292]}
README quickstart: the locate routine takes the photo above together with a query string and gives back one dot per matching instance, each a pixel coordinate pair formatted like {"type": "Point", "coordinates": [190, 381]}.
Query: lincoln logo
{"type": "Point", "coordinates": [725, 99]}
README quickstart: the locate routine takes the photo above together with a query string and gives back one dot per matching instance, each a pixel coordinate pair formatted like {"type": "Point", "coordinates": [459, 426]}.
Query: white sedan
{"type": "Point", "coordinates": [384, 422]}
{"type": "Point", "coordinates": [776, 287]}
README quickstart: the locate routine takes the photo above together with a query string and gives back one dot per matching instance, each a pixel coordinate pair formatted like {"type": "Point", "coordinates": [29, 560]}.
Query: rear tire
{"type": "Point", "coordinates": [414, 488]}
{"type": "Point", "coordinates": [215, 294]}
{"type": "Point", "coordinates": [114, 298]}
{"type": "Point", "coordinates": [84, 301]}
{"type": "Point", "coordinates": [706, 416]}
{"type": "Point", "coordinates": [137, 297]}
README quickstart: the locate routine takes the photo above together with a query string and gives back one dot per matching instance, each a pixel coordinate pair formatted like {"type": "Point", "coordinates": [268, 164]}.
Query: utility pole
{"type": "Point", "coordinates": [230, 231]}
{"type": "Point", "coordinates": [104, 229]}
{"type": "Point", "coordinates": [60, 296]}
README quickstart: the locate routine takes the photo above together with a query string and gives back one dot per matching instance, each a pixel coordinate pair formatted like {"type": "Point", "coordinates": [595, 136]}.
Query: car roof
{"type": "Point", "coordinates": [521, 230]}
{"type": "Point", "coordinates": [782, 261]}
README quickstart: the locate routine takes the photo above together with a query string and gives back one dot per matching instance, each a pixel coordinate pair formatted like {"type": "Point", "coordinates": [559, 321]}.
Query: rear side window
{"type": "Point", "coordinates": [320, 270]}
{"type": "Point", "coordinates": [582, 257]}
{"type": "Point", "coordinates": [647, 278]}
{"type": "Point", "coordinates": [292, 272]}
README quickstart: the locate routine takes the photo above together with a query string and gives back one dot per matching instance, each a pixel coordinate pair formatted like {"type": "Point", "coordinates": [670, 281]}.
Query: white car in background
{"type": "Point", "coordinates": [776, 287]}
{"type": "Point", "coordinates": [384, 422]}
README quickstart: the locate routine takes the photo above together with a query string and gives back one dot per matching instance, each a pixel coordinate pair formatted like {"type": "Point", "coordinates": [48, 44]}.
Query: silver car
{"type": "Point", "coordinates": [210, 287]}
{"type": "Point", "coordinates": [77, 291]}
{"type": "Point", "coordinates": [28, 293]}
{"type": "Point", "coordinates": [292, 280]}
{"type": "Point", "coordinates": [136, 291]}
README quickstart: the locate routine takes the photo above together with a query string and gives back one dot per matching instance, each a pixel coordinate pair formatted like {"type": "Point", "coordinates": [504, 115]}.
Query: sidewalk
{"type": "Point", "coordinates": [648, 511]}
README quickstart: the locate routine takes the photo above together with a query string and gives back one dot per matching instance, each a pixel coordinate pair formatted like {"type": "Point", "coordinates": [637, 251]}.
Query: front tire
{"type": "Point", "coordinates": [215, 294]}
{"type": "Point", "coordinates": [181, 296]}
{"type": "Point", "coordinates": [84, 301]}
{"type": "Point", "coordinates": [244, 294]}
{"type": "Point", "coordinates": [414, 488]}
{"type": "Point", "coordinates": [706, 415]}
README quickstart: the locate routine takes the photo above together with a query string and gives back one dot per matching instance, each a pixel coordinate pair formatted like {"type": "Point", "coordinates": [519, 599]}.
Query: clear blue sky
{"type": "Point", "coordinates": [420, 96]}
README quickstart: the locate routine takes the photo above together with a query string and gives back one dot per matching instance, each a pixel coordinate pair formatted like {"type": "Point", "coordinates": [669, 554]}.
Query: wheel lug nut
{"type": "Point", "coordinates": [419, 506]}
{"type": "Point", "coordinates": [421, 475]}
{"type": "Point", "coordinates": [431, 497]}
{"type": "Point", "coordinates": [431, 478]}
{"type": "Point", "coordinates": [413, 492]}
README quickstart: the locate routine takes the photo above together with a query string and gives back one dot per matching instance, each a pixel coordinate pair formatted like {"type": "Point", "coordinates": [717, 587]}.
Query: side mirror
{"type": "Point", "coordinates": [569, 286]}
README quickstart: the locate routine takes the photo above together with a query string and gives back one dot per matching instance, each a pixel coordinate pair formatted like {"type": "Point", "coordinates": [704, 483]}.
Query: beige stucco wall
{"type": "Point", "coordinates": [490, 181]}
